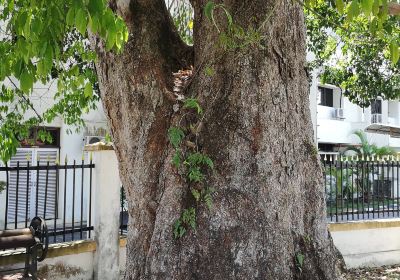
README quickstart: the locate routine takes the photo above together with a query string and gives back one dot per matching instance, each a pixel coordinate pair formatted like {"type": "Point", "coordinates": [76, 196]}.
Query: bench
{"type": "Point", "coordinates": [35, 239]}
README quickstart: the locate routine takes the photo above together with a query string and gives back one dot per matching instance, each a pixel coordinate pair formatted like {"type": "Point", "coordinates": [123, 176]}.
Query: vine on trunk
{"type": "Point", "coordinates": [192, 164]}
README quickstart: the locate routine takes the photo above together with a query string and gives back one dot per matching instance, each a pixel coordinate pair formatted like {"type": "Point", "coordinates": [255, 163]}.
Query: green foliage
{"type": "Point", "coordinates": [176, 159]}
{"type": "Point", "coordinates": [356, 45]}
{"type": "Point", "coordinates": [44, 43]}
{"type": "Point", "coordinates": [175, 135]}
{"type": "Point", "coordinates": [198, 159]}
{"type": "Point", "coordinates": [206, 196]}
{"type": "Point", "coordinates": [182, 15]}
{"type": "Point", "coordinates": [187, 219]}
{"type": "Point", "coordinates": [179, 229]}
{"type": "Point", "coordinates": [234, 36]}
{"type": "Point", "coordinates": [195, 175]}
{"type": "Point", "coordinates": [299, 261]}
{"type": "Point", "coordinates": [195, 162]}
{"type": "Point", "coordinates": [196, 194]}
{"type": "Point", "coordinates": [107, 138]}
{"type": "Point", "coordinates": [192, 103]}
{"type": "Point", "coordinates": [209, 71]}
{"type": "Point", "coordinates": [195, 165]}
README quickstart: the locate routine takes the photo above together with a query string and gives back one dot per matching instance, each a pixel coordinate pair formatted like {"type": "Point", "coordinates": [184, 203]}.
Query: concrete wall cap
{"type": "Point", "coordinates": [99, 146]}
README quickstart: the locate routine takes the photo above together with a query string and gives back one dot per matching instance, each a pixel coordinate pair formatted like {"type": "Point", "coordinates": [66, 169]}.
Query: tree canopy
{"type": "Point", "coordinates": [356, 48]}
{"type": "Point", "coordinates": [44, 41]}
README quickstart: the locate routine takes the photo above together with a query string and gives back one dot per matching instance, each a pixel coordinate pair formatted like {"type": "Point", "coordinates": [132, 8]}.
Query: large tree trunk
{"type": "Point", "coordinates": [268, 211]}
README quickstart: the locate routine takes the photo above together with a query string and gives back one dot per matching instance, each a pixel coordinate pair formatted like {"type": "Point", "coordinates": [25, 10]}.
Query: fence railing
{"type": "Point", "coordinates": [361, 188]}
{"type": "Point", "coordinates": [123, 218]}
{"type": "Point", "coordinates": [61, 194]}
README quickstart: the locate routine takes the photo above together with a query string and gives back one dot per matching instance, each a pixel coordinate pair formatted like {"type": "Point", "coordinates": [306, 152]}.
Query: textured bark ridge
{"type": "Point", "coordinates": [268, 218]}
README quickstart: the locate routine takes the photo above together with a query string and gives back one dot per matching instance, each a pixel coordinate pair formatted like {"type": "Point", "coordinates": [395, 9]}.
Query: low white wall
{"type": "Point", "coordinates": [65, 261]}
{"type": "Point", "coordinates": [368, 243]}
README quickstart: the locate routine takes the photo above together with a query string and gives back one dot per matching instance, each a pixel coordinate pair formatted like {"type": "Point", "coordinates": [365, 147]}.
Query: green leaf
{"type": "Point", "coordinates": [196, 194]}
{"type": "Point", "coordinates": [189, 217]}
{"type": "Point", "coordinates": [70, 19]}
{"type": "Point", "coordinates": [354, 10]}
{"type": "Point", "coordinates": [367, 6]}
{"type": "Point", "coordinates": [209, 71]}
{"type": "Point", "coordinates": [179, 229]}
{"type": "Point", "coordinates": [394, 52]}
{"type": "Point", "coordinates": [208, 200]}
{"type": "Point", "coordinates": [192, 103]}
{"type": "Point", "coordinates": [81, 21]}
{"type": "Point", "coordinates": [26, 80]}
{"type": "Point", "coordinates": [375, 7]}
{"type": "Point", "coordinates": [88, 91]}
{"type": "Point", "coordinates": [299, 260]}
{"type": "Point", "coordinates": [176, 159]}
{"type": "Point", "coordinates": [340, 6]}
{"type": "Point", "coordinates": [195, 175]}
{"type": "Point", "coordinates": [208, 9]}
{"type": "Point", "coordinates": [111, 40]}
{"type": "Point", "coordinates": [175, 135]}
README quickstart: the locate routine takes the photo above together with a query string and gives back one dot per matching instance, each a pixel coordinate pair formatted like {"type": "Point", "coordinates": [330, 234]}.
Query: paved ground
{"type": "Point", "coordinates": [380, 273]}
{"type": "Point", "coordinates": [17, 276]}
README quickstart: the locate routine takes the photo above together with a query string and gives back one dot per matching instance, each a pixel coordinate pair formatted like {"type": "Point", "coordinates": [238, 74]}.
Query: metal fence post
{"type": "Point", "coordinates": [105, 211]}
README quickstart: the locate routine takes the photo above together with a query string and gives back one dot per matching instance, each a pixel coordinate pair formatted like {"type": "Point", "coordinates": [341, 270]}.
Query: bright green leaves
{"type": "Point", "coordinates": [100, 19]}
{"type": "Point", "coordinates": [81, 21]}
{"type": "Point", "coordinates": [204, 195]}
{"type": "Point", "coordinates": [70, 19]}
{"type": "Point", "coordinates": [394, 52]}
{"type": "Point", "coordinates": [192, 103]}
{"type": "Point", "coordinates": [353, 10]}
{"type": "Point", "coordinates": [45, 41]}
{"type": "Point", "coordinates": [88, 91]}
{"type": "Point", "coordinates": [340, 5]}
{"type": "Point", "coordinates": [366, 6]}
{"type": "Point", "coordinates": [374, 14]}
{"type": "Point", "coordinates": [26, 81]}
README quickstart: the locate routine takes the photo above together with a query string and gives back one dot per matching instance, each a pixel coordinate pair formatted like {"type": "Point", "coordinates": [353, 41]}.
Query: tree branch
{"type": "Point", "coordinates": [394, 8]}
{"type": "Point", "coordinates": [161, 34]}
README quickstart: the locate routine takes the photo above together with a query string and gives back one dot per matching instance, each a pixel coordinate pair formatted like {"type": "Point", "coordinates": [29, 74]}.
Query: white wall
{"type": "Point", "coordinates": [369, 247]}
{"type": "Point", "coordinates": [327, 129]}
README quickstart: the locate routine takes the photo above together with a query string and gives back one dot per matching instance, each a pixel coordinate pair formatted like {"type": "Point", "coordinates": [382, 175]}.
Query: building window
{"type": "Point", "coordinates": [326, 96]}
{"type": "Point", "coordinates": [376, 106]}
{"type": "Point", "coordinates": [322, 147]}
{"type": "Point", "coordinates": [33, 139]}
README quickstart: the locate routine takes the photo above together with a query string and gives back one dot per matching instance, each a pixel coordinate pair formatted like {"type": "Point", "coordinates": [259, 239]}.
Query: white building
{"type": "Point", "coordinates": [335, 119]}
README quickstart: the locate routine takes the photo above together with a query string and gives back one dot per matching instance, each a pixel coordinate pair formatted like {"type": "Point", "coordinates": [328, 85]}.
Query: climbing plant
{"type": "Point", "coordinates": [193, 164]}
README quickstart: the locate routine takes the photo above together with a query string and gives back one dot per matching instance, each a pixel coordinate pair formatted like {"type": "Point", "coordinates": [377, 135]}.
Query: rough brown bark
{"type": "Point", "coordinates": [269, 204]}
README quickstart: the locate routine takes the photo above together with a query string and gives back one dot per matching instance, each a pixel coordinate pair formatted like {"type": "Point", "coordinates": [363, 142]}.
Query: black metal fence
{"type": "Point", "coordinates": [361, 188]}
{"type": "Point", "coordinates": [123, 218]}
{"type": "Point", "coordinates": [61, 194]}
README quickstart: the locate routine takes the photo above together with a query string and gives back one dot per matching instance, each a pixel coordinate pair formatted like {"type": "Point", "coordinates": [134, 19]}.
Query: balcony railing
{"type": "Point", "coordinates": [376, 118]}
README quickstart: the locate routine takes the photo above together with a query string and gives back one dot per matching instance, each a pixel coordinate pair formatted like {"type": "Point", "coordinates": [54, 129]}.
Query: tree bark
{"type": "Point", "coordinates": [268, 209]}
